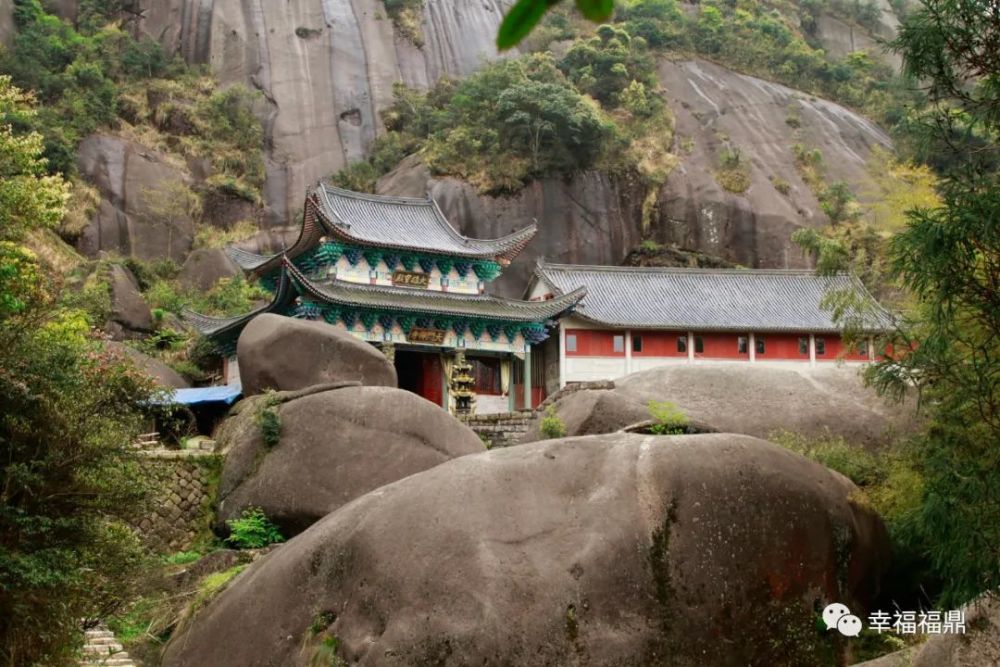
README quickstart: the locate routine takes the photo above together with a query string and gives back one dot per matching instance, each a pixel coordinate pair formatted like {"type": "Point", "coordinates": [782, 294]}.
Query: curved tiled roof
{"type": "Point", "coordinates": [429, 301]}
{"type": "Point", "coordinates": [408, 223]}
{"type": "Point", "coordinates": [703, 299]}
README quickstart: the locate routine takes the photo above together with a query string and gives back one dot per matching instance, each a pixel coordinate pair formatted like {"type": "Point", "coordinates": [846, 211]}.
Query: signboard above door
{"type": "Point", "coordinates": [428, 336]}
{"type": "Point", "coordinates": [411, 279]}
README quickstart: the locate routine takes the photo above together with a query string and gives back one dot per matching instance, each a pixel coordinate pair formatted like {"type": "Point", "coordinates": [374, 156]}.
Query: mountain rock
{"type": "Point", "coordinates": [164, 375]}
{"type": "Point", "coordinates": [284, 353]}
{"type": "Point", "coordinates": [205, 266]}
{"type": "Point", "coordinates": [604, 550]}
{"type": "Point", "coordinates": [130, 314]}
{"type": "Point", "coordinates": [135, 216]}
{"type": "Point", "coordinates": [334, 446]}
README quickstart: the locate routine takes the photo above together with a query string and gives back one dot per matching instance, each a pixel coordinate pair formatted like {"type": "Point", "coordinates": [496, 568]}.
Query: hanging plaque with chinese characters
{"type": "Point", "coordinates": [411, 279]}
{"type": "Point", "coordinates": [429, 336]}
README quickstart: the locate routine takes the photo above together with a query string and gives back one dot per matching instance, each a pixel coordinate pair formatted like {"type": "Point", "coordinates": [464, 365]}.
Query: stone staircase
{"type": "Point", "coordinates": [500, 430]}
{"type": "Point", "coordinates": [101, 648]}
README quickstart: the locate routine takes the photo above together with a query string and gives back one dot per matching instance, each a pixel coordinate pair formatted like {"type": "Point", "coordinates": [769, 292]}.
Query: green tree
{"type": "Point", "coordinates": [948, 258]}
{"type": "Point", "coordinates": [69, 411]}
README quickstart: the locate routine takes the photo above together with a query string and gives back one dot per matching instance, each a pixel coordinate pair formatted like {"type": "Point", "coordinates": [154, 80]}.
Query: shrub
{"type": "Point", "coordinates": [253, 530]}
{"type": "Point", "coordinates": [668, 418]}
{"type": "Point", "coordinates": [270, 426]}
{"type": "Point", "coordinates": [552, 426]}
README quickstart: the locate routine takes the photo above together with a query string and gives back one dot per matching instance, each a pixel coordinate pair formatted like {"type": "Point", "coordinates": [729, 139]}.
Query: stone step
{"type": "Point", "coordinates": [99, 641]}
{"type": "Point", "coordinates": [98, 634]}
{"type": "Point", "coordinates": [103, 649]}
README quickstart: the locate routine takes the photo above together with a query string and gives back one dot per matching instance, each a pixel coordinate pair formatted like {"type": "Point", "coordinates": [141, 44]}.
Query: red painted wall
{"type": "Point", "coordinates": [659, 343]}
{"type": "Point", "coordinates": [835, 347]}
{"type": "Point", "coordinates": [783, 346]}
{"type": "Point", "coordinates": [594, 343]}
{"type": "Point", "coordinates": [719, 346]}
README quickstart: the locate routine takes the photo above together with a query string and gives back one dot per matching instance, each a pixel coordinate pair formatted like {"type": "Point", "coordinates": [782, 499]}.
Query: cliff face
{"type": "Point", "coordinates": [326, 67]}
{"type": "Point", "coordinates": [718, 110]}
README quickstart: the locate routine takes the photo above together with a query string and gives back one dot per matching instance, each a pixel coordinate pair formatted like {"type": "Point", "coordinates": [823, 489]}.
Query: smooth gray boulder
{"type": "Point", "coordinates": [334, 446]}
{"type": "Point", "coordinates": [761, 399]}
{"type": "Point", "coordinates": [130, 314]}
{"type": "Point", "coordinates": [589, 412]}
{"type": "Point", "coordinates": [205, 267]}
{"type": "Point", "coordinates": [284, 353]}
{"type": "Point", "coordinates": [164, 375]}
{"type": "Point", "coordinates": [604, 550]}
{"type": "Point", "coordinates": [979, 645]}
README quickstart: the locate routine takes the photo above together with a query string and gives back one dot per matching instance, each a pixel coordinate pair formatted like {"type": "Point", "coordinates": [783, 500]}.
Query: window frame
{"type": "Point", "coordinates": [742, 345]}
{"type": "Point", "coordinates": [699, 345]}
{"type": "Point", "coordinates": [615, 340]}
{"type": "Point", "coordinates": [820, 346]}
{"type": "Point", "coordinates": [682, 344]}
{"type": "Point", "coordinates": [636, 343]}
{"type": "Point", "coordinates": [760, 346]}
{"type": "Point", "coordinates": [571, 342]}
{"type": "Point", "coordinates": [804, 340]}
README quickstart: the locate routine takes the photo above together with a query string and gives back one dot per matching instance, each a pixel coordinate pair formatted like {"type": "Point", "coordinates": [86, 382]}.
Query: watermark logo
{"type": "Point", "coordinates": [839, 616]}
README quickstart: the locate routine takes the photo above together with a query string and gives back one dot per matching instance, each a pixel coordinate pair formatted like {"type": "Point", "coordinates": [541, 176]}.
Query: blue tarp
{"type": "Point", "coordinates": [227, 394]}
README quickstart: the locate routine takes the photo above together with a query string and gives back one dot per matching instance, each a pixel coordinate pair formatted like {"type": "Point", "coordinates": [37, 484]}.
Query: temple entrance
{"type": "Point", "coordinates": [421, 373]}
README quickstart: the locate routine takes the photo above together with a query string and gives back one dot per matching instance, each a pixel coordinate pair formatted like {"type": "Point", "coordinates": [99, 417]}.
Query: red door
{"type": "Point", "coordinates": [431, 385]}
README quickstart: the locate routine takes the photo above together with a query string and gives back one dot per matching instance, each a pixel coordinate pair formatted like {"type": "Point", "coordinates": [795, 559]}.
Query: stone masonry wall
{"type": "Point", "coordinates": [500, 430]}
{"type": "Point", "coordinates": [180, 514]}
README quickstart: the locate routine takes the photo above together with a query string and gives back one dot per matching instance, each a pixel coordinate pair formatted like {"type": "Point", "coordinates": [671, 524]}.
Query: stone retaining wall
{"type": "Point", "coordinates": [500, 430]}
{"type": "Point", "coordinates": [180, 515]}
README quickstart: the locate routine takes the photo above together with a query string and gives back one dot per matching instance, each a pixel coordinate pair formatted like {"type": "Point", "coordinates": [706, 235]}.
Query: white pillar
{"type": "Point", "coordinates": [527, 376]}
{"type": "Point", "coordinates": [812, 349]}
{"type": "Point", "coordinates": [871, 348]}
{"type": "Point", "coordinates": [690, 347]}
{"type": "Point", "coordinates": [562, 355]}
{"type": "Point", "coordinates": [752, 343]}
{"type": "Point", "coordinates": [628, 351]}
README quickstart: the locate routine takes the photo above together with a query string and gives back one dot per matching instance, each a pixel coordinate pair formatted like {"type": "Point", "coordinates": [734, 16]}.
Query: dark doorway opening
{"type": "Point", "coordinates": [420, 372]}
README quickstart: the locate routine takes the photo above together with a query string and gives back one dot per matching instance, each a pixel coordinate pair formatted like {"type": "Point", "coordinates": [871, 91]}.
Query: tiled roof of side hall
{"type": "Point", "coordinates": [408, 223]}
{"type": "Point", "coordinates": [208, 325]}
{"type": "Point", "coordinates": [412, 300]}
{"type": "Point", "coordinates": [704, 299]}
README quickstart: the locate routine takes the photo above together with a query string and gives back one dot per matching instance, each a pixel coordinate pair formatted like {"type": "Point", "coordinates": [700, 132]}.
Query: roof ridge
{"type": "Point", "coordinates": [543, 266]}
{"type": "Point", "coordinates": [395, 199]}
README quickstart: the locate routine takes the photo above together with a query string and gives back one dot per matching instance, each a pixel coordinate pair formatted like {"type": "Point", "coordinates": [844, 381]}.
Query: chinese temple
{"type": "Point", "coordinates": [394, 272]}
{"type": "Point", "coordinates": [632, 319]}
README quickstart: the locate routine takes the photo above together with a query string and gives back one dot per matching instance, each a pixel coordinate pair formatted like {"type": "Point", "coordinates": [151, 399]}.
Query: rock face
{"type": "Point", "coordinates": [326, 66]}
{"type": "Point", "coordinates": [717, 109]}
{"type": "Point", "coordinates": [587, 219]}
{"type": "Point", "coordinates": [980, 645]}
{"type": "Point", "coordinates": [335, 445]}
{"type": "Point", "coordinates": [7, 27]}
{"type": "Point", "coordinates": [284, 353]}
{"type": "Point", "coordinates": [205, 266]}
{"type": "Point", "coordinates": [133, 181]}
{"type": "Point", "coordinates": [589, 412]}
{"type": "Point", "coordinates": [130, 314]}
{"type": "Point", "coordinates": [759, 400]}
{"type": "Point", "coordinates": [159, 371]}
{"type": "Point", "coordinates": [605, 550]}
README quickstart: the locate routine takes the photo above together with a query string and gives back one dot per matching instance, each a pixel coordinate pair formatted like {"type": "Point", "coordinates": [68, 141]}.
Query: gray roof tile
{"type": "Point", "coordinates": [702, 299]}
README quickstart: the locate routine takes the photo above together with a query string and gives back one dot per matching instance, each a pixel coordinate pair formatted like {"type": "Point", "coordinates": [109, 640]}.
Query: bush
{"type": "Point", "coordinates": [270, 426]}
{"type": "Point", "coordinates": [667, 417]}
{"type": "Point", "coordinates": [552, 426]}
{"type": "Point", "coordinates": [253, 530]}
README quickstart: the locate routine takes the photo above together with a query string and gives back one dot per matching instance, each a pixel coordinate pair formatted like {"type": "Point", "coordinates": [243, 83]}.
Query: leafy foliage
{"type": "Point", "coordinates": [69, 478]}
{"type": "Point", "coordinates": [551, 425]}
{"type": "Point", "coordinates": [253, 530]}
{"type": "Point", "coordinates": [668, 419]}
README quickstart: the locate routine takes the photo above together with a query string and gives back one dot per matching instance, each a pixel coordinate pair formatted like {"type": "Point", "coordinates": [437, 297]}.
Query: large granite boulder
{"type": "Point", "coordinates": [589, 412]}
{"type": "Point", "coordinates": [284, 353]}
{"type": "Point", "coordinates": [979, 645]}
{"type": "Point", "coordinates": [604, 550]}
{"type": "Point", "coordinates": [761, 399]}
{"type": "Point", "coordinates": [139, 214]}
{"type": "Point", "coordinates": [130, 314]}
{"type": "Point", "coordinates": [334, 446]}
{"type": "Point", "coordinates": [205, 267]}
{"type": "Point", "coordinates": [164, 375]}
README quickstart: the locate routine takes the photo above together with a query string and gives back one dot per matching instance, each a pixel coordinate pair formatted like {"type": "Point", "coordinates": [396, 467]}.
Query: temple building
{"type": "Point", "coordinates": [394, 272]}
{"type": "Point", "coordinates": [632, 319]}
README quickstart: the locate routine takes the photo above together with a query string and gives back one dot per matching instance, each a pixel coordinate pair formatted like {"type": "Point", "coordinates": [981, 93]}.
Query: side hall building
{"type": "Point", "coordinates": [392, 271]}
{"type": "Point", "coordinates": [632, 319]}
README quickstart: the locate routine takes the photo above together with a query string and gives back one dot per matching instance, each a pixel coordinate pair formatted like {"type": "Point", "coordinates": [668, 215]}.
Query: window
{"type": "Point", "coordinates": [863, 348]}
{"type": "Point", "coordinates": [699, 345]}
{"type": "Point", "coordinates": [759, 344]}
{"type": "Point", "coordinates": [803, 345]}
{"type": "Point", "coordinates": [820, 346]}
{"type": "Point", "coordinates": [619, 343]}
{"type": "Point", "coordinates": [682, 344]}
{"type": "Point", "coordinates": [741, 344]}
{"type": "Point", "coordinates": [636, 343]}
{"type": "Point", "coordinates": [571, 342]}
